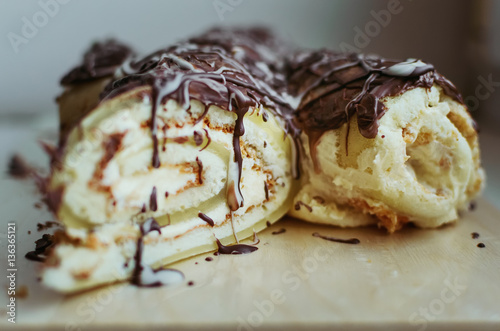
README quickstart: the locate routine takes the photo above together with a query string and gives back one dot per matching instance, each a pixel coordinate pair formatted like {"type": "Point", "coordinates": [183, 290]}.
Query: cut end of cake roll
{"type": "Point", "coordinates": [386, 147]}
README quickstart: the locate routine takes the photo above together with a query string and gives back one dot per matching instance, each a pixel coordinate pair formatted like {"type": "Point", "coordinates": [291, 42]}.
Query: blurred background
{"type": "Point", "coordinates": [42, 39]}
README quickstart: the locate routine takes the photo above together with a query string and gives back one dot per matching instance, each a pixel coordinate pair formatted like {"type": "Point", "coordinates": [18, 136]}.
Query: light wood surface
{"type": "Point", "coordinates": [412, 280]}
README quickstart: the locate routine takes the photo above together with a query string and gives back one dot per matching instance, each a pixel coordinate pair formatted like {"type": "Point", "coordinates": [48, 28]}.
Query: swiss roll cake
{"type": "Point", "coordinates": [385, 142]}
{"type": "Point", "coordinates": [163, 157]}
{"type": "Point", "coordinates": [204, 143]}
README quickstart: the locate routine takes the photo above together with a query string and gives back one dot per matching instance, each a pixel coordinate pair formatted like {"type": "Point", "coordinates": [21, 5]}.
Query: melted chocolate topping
{"type": "Point", "coordinates": [331, 87]}
{"type": "Point", "coordinates": [47, 225]}
{"type": "Point", "coordinates": [18, 168]}
{"type": "Point", "coordinates": [200, 170]}
{"type": "Point", "coordinates": [198, 138]}
{"type": "Point", "coordinates": [232, 69]}
{"type": "Point", "coordinates": [238, 69]}
{"type": "Point", "coordinates": [266, 191]}
{"type": "Point", "coordinates": [474, 235]}
{"type": "Point", "coordinates": [143, 275]}
{"type": "Point", "coordinates": [344, 241]}
{"type": "Point", "coordinates": [206, 219]}
{"type": "Point", "coordinates": [235, 249]}
{"type": "Point", "coordinates": [153, 204]}
{"type": "Point", "coordinates": [300, 203]}
{"type": "Point", "coordinates": [101, 60]}
{"type": "Point", "coordinates": [41, 247]}
{"type": "Point", "coordinates": [209, 140]}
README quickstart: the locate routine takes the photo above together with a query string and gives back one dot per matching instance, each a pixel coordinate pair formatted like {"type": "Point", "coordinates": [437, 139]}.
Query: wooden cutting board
{"type": "Point", "coordinates": [412, 280]}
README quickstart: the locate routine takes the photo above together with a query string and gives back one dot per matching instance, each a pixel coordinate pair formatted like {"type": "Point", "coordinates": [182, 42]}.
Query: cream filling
{"type": "Point", "coordinates": [102, 211]}
{"type": "Point", "coordinates": [419, 166]}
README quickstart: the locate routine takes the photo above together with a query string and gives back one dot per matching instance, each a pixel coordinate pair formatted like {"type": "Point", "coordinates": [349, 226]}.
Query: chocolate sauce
{"type": "Point", "coordinates": [472, 206]}
{"type": "Point", "coordinates": [153, 204]}
{"type": "Point", "coordinates": [198, 138]}
{"type": "Point", "coordinates": [232, 69]}
{"type": "Point", "coordinates": [200, 170]}
{"type": "Point", "coordinates": [344, 241]}
{"type": "Point", "coordinates": [209, 140]}
{"type": "Point", "coordinates": [266, 190]}
{"type": "Point", "coordinates": [481, 245]}
{"type": "Point", "coordinates": [41, 247]}
{"type": "Point", "coordinates": [101, 60]}
{"type": "Point", "coordinates": [206, 219]}
{"type": "Point", "coordinates": [235, 249]}
{"type": "Point", "coordinates": [18, 168]}
{"type": "Point", "coordinates": [280, 231]}
{"type": "Point", "coordinates": [181, 140]}
{"type": "Point", "coordinates": [240, 69]}
{"type": "Point", "coordinates": [110, 148]}
{"type": "Point", "coordinates": [474, 235]}
{"type": "Point", "coordinates": [268, 224]}
{"type": "Point", "coordinates": [190, 283]}
{"type": "Point", "coordinates": [256, 239]}
{"type": "Point", "coordinates": [300, 203]}
{"type": "Point", "coordinates": [209, 259]}
{"type": "Point", "coordinates": [143, 275]}
{"type": "Point", "coordinates": [331, 87]}
{"type": "Point", "coordinates": [47, 225]}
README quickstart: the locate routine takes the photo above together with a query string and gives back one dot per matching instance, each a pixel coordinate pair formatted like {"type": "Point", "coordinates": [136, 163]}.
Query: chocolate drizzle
{"type": "Point", "coordinates": [243, 69]}
{"type": "Point", "coordinates": [153, 204]}
{"type": "Point", "coordinates": [18, 168]}
{"type": "Point", "coordinates": [198, 138]}
{"type": "Point", "coordinates": [209, 140]}
{"type": "Point", "coordinates": [206, 219]}
{"type": "Point", "coordinates": [232, 69]}
{"type": "Point", "coordinates": [200, 170]}
{"type": "Point", "coordinates": [101, 60]}
{"type": "Point", "coordinates": [300, 203]}
{"type": "Point", "coordinates": [143, 275]}
{"type": "Point", "coordinates": [331, 87]}
{"type": "Point", "coordinates": [235, 249]}
{"type": "Point", "coordinates": [354, 241]}
{"type": "Point", "coordinates": [266, 191]}
{"type": "Point", "coordinates": [41, 247]}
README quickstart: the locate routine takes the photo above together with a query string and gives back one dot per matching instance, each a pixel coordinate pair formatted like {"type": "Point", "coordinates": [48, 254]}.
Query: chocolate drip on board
{"type": "Point", "coordinates": [41, 247]}
{"type": "Point", "coordinates": [353, 241]}
{"type": "Point", "coordinates": [234, 249]}
{"type": "Point", "coordinates": [18, 168]}
{"type": "Point", "coordinates": [280, 231]}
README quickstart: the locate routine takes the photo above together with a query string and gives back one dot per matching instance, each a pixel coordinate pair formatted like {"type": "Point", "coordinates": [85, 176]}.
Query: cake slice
{"type": "Point", "coordinates": [386, 142]}
{"type": "Point", "coordinates": [167, 156]}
